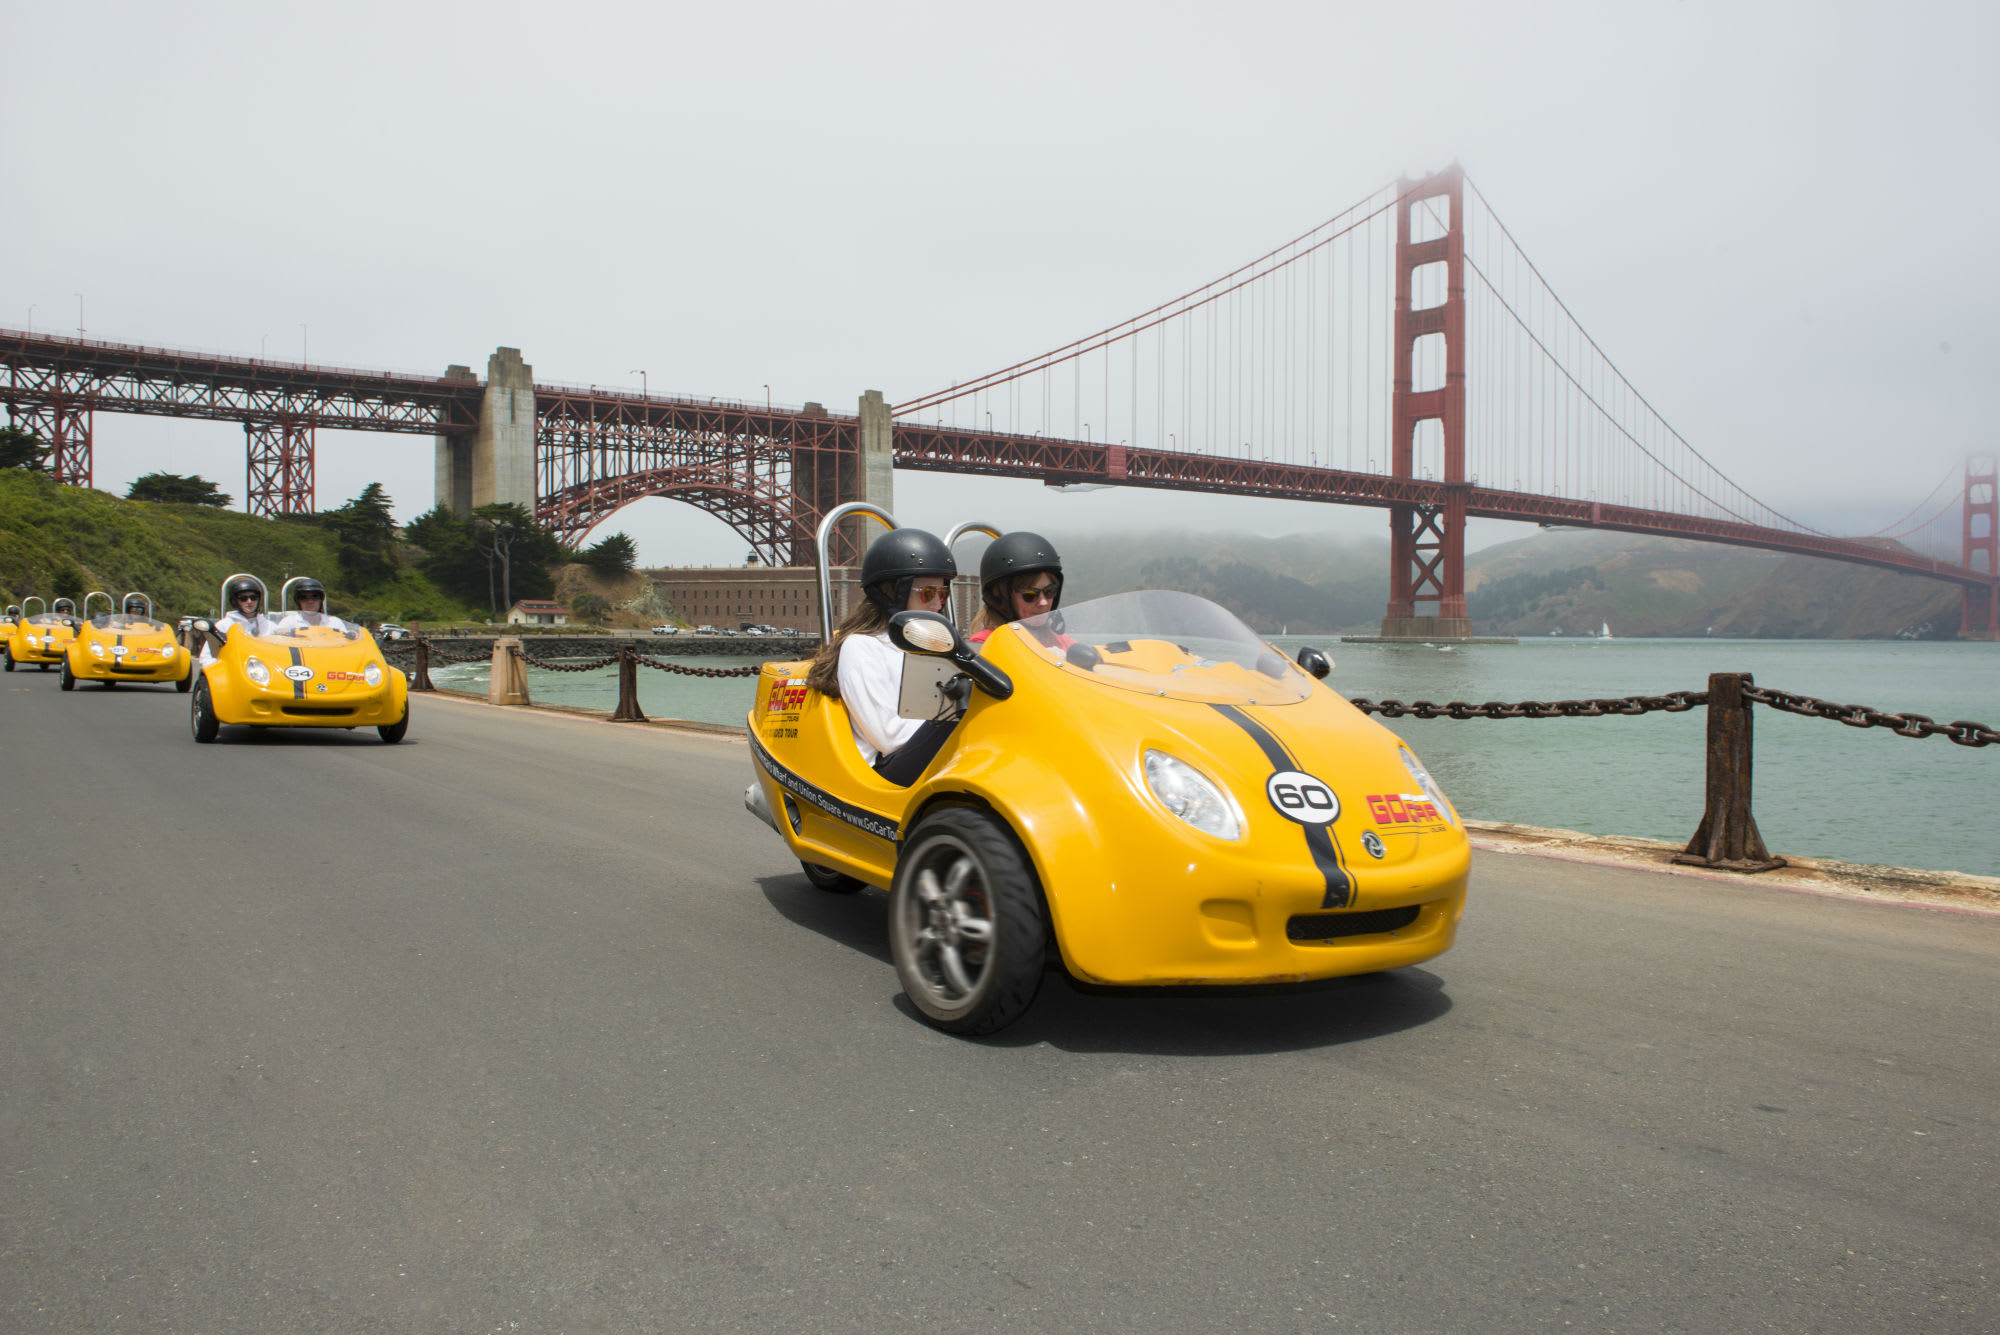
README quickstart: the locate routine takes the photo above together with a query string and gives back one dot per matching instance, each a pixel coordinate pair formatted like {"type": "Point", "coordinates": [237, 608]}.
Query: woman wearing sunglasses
{"type": "Point", "coordinates": [1020, 576]}
{"type": "Point", "coordinates": [906, 569]}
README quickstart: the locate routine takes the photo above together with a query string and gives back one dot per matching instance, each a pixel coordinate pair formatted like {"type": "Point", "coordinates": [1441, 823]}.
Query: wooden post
{"type": "Point", "coordinates": [628, 686]}
{"type": "Point", "coordinates": [509, 682]}
{"type": "Point", "coordinates": [1727, 838]}
{"type": "Point", "coordinates": [420, 680]}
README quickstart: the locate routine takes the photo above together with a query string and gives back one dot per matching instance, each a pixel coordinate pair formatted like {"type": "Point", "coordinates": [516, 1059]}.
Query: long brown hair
{"type": "Point", "coordinates": [864, 618]}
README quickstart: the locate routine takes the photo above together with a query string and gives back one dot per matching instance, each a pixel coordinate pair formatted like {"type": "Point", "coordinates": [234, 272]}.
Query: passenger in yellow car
{"type": "Point", "coordinates": [1020, 576]}
{"type": "Point", "coordinates": [311, 611]}
{"type": "Point", "coordinates": [906, 569]}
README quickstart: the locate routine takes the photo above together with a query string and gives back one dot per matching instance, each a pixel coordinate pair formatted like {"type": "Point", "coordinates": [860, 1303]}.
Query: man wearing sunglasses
{"type": "Point", "coordinates": [243, 605]}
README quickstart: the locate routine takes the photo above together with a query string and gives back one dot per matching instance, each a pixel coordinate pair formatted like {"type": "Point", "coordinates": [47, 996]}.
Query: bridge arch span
{"type": "Point", "coordinates": [762, 515]}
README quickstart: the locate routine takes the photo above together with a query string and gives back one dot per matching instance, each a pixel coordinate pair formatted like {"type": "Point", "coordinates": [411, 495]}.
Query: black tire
{"type": "Point", "coordinates": [68, 677]}
{"type": "Point", "coordinates": [202, 713]}
{"type": "Point", "coordinates": [829, 880]}
{"type": "Point", "coordinates": [393, 732]}
{"type": "Point", "coordinates": [186, 682]}
{"type": "Point", "coordinates": [43, 666]}
{"type": "Point", "coordinates": [959, 863]}
{"type": "Point", "coordinates": [7, 653]}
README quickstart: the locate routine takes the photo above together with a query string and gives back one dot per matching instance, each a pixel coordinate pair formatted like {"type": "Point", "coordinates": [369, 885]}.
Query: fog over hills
{"type": "Point", "coordinates": [1569, 581]}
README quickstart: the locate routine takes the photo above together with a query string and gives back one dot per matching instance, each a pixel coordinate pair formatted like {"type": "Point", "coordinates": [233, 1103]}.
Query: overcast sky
{"type": "Point", "coordinates": [1776, 218]}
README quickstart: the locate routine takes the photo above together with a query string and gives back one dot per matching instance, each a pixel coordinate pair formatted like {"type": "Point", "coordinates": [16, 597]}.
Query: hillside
{"type": "Point", "coordinates": [1573, 581]}
{"type": "Point", "coordinates": [58, 541]}
{"type": "Point", "coordinates": [1568, 581]}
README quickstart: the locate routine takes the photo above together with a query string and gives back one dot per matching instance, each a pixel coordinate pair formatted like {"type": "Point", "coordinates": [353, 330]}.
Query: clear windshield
{"type": "Point", "coordinates": [125, 623]}
{"type": "Point", "coordinates": [1163, 643]}
{"type": "Point", "coordinates": [300, 636]}
{"type": "Point", "coordinates": [48, 619]}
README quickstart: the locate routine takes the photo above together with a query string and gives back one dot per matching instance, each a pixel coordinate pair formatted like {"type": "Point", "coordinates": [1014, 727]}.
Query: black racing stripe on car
{"type": "Point", "coordinates": [1320, 842]}
{"type": "Point", "coordinates": [860, 818]}
{"type": "Point", "coordinates": [298, 687]}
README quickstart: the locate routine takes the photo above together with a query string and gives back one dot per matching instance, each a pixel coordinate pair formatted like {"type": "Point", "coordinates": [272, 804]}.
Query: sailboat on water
{"type": "Point", "coordinates": [1605, 633]}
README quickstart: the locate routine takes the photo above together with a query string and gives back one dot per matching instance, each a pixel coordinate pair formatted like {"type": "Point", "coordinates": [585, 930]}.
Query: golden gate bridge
{"type": "Point", "coordinates": [1405, 354]}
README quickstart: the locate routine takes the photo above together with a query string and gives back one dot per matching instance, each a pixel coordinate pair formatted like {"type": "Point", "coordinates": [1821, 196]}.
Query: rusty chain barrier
{"type": "Point", "coordinates": [1962, 731]}
{"type": "Point", "coordinates": [1674, 702]}
{"type": "Point", "coordinates": [1727, 838]}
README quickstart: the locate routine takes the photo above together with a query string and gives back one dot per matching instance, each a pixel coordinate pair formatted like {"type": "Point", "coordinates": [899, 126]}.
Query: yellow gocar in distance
{"type": "Point", "coordinates": [308, 677]}
{"type": "Point", "coordinates": [123, 646]}
{"type": "Point", "coordinates": [40, 640]}
{"type": "Point", "coordinates": [1138, 780]}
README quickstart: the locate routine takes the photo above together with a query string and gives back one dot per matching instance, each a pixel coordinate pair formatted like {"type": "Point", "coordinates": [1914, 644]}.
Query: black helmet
{"type": "Point", "coordinates": [897, 558]}
{"type": "Point", "coordinates": [135, 604]}
{"type": "Point", "coordinates": [13, 611]}
{"type": "Point", "coordinates": [1018, 553]}
{"type": "Point", "coordinates": [63, 605]}
{"type": "Point", "coordinates": [240, 585]}
{"type": "Point", "coordinates": [302, 587]}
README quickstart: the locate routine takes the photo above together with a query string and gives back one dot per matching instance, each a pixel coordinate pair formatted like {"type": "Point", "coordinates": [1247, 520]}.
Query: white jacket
{"type": "Point", "coordinates": [871, 686]}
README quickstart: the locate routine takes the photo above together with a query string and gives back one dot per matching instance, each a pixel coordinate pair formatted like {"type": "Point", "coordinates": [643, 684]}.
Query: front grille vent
{"type": "Point", "coordinates": [1311, 927]}
{"type": "Point", "coordinates": [317, 711]}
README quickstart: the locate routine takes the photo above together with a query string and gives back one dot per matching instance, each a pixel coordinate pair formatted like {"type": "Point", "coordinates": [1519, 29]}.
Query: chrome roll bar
{"type": "Point", "coordinates": [820, 540]}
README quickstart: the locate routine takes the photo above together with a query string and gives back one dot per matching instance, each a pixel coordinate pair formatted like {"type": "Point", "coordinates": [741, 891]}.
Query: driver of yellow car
{"type": "Point", "coordinates": [906, 569]}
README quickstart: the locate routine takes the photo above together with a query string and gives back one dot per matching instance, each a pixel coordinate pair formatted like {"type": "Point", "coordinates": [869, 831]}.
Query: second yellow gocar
{"type": "Point", "coordinates": [309, 677]}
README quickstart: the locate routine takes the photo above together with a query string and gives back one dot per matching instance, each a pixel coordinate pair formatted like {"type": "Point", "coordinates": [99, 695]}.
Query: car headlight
{"type": "Point", "coordinates": [1426, 782]}
{"type": "Point", "coordinates": [1191, 795]}
{"type": "Point", "coordinates": [166, 651]}
{"type": "Point", "coordinates": [373, 673]}
{"type": "Point", "coordinates": [97, 649]}
{"type": "Point", "coordinates": [32, 642]}
{"type": "Point", "coordinates": [257, 672]}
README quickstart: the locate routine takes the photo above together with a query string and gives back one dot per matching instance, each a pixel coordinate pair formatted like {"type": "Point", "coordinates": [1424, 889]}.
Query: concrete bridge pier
{"type": "Point", "coordinates": [495, 465]}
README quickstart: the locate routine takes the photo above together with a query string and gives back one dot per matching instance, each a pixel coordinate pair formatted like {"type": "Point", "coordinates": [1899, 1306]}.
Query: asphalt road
{"type": "Point", "coordinates": [526, 1024]}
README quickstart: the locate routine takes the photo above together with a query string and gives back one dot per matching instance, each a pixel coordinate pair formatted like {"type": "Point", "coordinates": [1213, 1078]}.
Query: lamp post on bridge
{"type": "Point", "coordinates": [644, 392]}
{"type": "Point", "coordinates": [31, 317]}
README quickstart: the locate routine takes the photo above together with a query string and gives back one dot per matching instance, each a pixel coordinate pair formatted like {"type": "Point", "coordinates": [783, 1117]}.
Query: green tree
{"type": "Point", "coordinates": [365, 537]}
{"type": "Point", "coordinates": [589, 606]}
{"type": "Point", "coordinates": [614, 556]}
{"type": "Point", "coordinates": [509, 535]}
{"type": "Point", "coordinates": [190, 489]}
{"type": "Point", "coordinates": [21, 448]}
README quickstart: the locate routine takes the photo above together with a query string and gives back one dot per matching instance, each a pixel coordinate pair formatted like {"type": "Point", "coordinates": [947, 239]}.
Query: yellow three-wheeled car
{"type": "Point", "coordinates": [1139, 782]}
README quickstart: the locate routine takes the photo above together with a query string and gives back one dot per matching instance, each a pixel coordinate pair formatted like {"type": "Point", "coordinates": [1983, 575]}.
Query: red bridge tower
{"type": "Point", "coordinates": [1427, 542]}
{"type": "Point", "coordinates": [1979, 617]}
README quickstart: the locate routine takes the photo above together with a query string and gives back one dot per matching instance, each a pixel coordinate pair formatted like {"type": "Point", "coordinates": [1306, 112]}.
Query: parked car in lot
{"type": "Point", "coordinates": [705, 630]}
{"type": "Point", "coordinates": [666, 630]}
{"type": "Point", "coordinates": [389, 630]}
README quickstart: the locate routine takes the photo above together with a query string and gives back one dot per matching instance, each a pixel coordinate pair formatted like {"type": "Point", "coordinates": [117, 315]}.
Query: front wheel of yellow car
{"type": "Point", "coordinates": [393, 732]}
{"type": "Point", "coordinates": [202, 713]}
{"type": "Point", "coordinates": [7, 657]}
{"type": "Point", "coordinates": [185, 682]}
{"type": "Point", "coordinates": [967, 928]}
{"type": "Point", "coordinates": [68, 677]}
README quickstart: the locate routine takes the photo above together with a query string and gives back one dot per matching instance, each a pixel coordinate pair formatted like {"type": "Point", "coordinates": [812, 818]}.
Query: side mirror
{"type": "Point", "coordinates": [1084, 656]}
{"type": "Point", "coordinates": [1314, 661]}
{"type": "Point", "coordinates": [929, 633]}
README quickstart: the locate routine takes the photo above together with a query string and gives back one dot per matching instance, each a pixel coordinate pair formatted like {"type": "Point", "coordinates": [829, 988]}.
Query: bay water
{"type": "Point", "coordinates": [1822, 789]}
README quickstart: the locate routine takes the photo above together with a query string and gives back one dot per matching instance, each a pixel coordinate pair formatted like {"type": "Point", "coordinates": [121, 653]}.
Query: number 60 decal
{"type": "Point", "coordinates": [1299, 796]}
